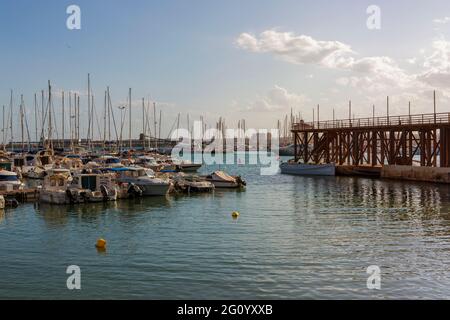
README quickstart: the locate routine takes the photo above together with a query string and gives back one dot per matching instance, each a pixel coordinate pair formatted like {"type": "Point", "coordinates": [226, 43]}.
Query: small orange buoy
{"type": "Point", "coordinates": [101, 244]}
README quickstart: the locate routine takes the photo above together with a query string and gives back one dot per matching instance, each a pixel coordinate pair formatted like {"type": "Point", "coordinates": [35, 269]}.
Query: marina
{"type": "Point", "coordinates": [224, 155]}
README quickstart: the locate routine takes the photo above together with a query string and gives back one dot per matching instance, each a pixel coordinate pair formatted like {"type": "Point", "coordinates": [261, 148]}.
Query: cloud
{"type": "Point", "coordinates": [437, 65]}
{"type": "Point", "coordinates": [367, 80]}
{"type": "Point", "coordinates": [376, 73]}
{"type": "Point", "coordinates": [276, 99]}
{"type": "Point", "coordinates": [444, 20]}
{"type": "Point", "coordinates": [296, 49]}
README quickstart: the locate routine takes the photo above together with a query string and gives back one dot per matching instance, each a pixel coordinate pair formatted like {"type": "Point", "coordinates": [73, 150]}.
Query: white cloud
{"type": "Point", "coordinates": [376, 73]}
{"type": "Point", "coordinates": [296, 49]}
{"type": "Point", "coordinates": [437, 65]}
{"type": "Point", "coordinates": [444, 20]}
{"type": "Point", "coordinates": [367, 80]}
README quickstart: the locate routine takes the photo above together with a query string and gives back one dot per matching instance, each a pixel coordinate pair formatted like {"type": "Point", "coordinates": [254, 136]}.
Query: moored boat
{"type": "Point", "coordinates": [187, 166]}
{"type": "Point", "coordinates": [98, 187]}
{"type": "Point", "coordinates": [188, 183]}
{"type": "Point", "coordinates": [10, 181]}
{"type": "Point", "coordinates": [144, 179]}
{"type": "Point", "coordinates": [326, 169]}
{"type": "Point", "coordinates": [221, 179]}
{"type": "Point", "coordinates": [55, 190]}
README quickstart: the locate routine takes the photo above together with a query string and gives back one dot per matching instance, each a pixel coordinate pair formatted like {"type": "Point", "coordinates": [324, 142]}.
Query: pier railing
{"type": "Point", "coordinates": [385, 121]}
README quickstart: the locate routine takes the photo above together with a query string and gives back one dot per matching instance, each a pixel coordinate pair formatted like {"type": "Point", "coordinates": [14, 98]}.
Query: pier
{"type": "Point", "coordinates": [23, 195]}
{"type": "Point", "coordinates": [420, 140]}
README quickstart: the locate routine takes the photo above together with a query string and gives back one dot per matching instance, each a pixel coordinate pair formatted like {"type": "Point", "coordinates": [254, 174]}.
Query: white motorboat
{"type": "Point", "coordinates": [33, 166]}
{"type": "Point", "coordinates": [191, 183]}
{"type": "Point", "coordinates": [326, 169]}
{"type": "Point", "coordinates": [144, 179]}
{"type": "Point", "coordinates": [98, 187]}
{"type": "Point", "coordinates": [109, 161]}
{"type": "Point", "coordinates": [148, 162]}
{"type": "Point", "coordinates": [55, 189]}
{"type": "Point", "coordinates": [5, 161]}
{"type": "Point", "coordinates": [186, 165]}
{"type": "Point", "coordinates": [10, 181]}
{"type": "Point", "coordinates": [221, 179]}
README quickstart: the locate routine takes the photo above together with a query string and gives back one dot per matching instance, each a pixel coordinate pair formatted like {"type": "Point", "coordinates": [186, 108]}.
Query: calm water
{"type": "Point", "coordinates": [297, 237]}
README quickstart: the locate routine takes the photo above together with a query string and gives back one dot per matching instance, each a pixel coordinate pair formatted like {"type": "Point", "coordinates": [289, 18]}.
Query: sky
{"type": "Point", "coordinates": [252, 59]}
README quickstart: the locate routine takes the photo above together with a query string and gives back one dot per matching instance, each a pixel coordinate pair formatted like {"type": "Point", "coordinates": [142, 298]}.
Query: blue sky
{"type": "Point", "coordinates": [186, 55]}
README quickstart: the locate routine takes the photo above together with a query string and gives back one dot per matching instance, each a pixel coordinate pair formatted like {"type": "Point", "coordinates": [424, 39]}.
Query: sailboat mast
{"type": "Point", "coordinates": [109, 116]}
{"type": "Point", "coordinates": [63, 141]}
{"type": "Point", "coordinates": [129, 111]}
{"type": "Point", "coordinates": [143, 123]}
{"type": "Point", "coordinates": [50, 115]}
{"type": "Point", "coordinates": [21, 123]}
{"type": "Point", "coordinates": [3, 130]}
{"type": "Point", "coordinates": [154, 123]}
{"type": "Point", "coordinates": [43, 117]}
{"type": "Point", "coordinates": [104, 121]}
{"type": "Point", "coordinates": [35, 116]}
{"type": "Point", "coordinates": [178, 126]}
{"type": "Point", "coordinates": [78, 119]}
{"type": "Point", "coordinates": [89, 110]}
{"type": "Point", "coordinates": [11, 120]}
{"type": "Point", "coordinates": [70, 119]}
{"type": "Point", "coordinates": [160, 119]}
{"type": "Point", "coordinates": [92, 120]}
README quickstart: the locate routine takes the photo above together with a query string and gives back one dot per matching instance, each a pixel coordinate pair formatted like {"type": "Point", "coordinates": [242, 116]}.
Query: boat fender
{"type": "Point", "coordinates": [12, 202]}
{"type": "Point", "coordinates": [134, 190]}
{"type": "Point", "coordinates": [104, 191]}
{"type": "Point", "coordinates": [70, 196]}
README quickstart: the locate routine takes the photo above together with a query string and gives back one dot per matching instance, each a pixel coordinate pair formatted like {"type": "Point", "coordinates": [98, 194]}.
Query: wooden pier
{"type": "Point", "coordinates": [376, 141]}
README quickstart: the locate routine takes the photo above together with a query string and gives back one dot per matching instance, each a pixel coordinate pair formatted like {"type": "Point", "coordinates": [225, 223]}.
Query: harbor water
{"type": "Point", "coordinates": [295, 238]}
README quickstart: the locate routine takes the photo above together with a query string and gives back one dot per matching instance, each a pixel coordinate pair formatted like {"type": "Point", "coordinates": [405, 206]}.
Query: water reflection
{"type": "Point", "coordinates": [297, 237]}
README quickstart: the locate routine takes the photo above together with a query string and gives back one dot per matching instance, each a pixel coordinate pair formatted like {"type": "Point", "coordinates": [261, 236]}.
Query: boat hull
{"type": "Point", "coordinates": [308, 169]}
{"type": "Point", "coordinates": [154, 189]}
{"type": "Point", "coordinates": [224, 184]}
{"type": "Point", "coordinates": [189, 167]}
{"type": "Point", "coordinates": [53, 197]}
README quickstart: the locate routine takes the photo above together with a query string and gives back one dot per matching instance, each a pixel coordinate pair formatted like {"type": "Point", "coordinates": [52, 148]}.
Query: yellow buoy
{"type": "Point", "coordinates": [235, 214]}
{"type": "Point", "coordinates": [101, 244]}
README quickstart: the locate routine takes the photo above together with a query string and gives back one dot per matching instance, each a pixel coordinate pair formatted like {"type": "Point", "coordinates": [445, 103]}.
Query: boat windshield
{"type": "Point", "coordinates": [112, 160]}
{"type": "Point", "coordinates": [8, 178]}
